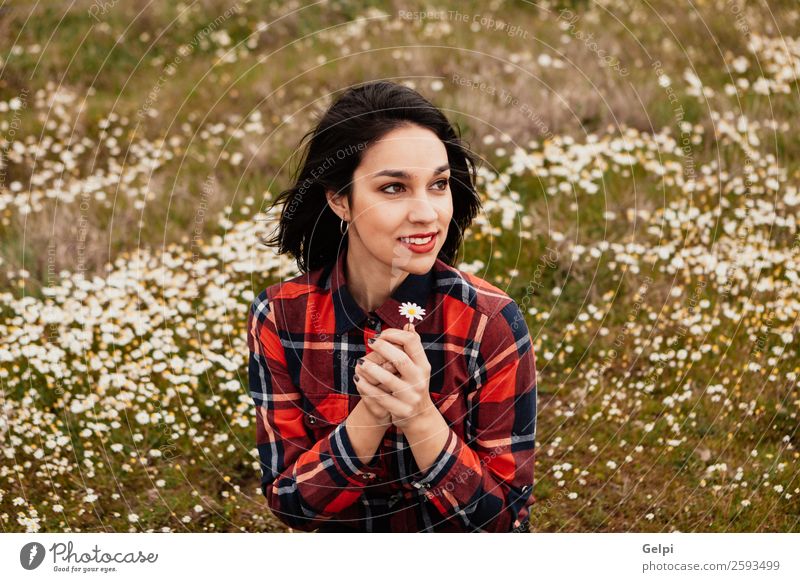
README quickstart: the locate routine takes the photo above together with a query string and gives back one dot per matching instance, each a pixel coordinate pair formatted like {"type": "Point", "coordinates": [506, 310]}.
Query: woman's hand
{"type": "Point", "coordinates": [380, 414]}
{"type": "Point", "coordinates": [405, 394]}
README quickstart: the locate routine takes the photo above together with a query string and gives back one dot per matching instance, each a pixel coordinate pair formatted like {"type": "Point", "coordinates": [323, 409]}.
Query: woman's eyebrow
{"type": "Point", "coordinates": [405, 175]}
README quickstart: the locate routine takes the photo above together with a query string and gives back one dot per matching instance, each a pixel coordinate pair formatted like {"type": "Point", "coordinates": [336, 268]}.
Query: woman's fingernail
{"type": "Point", "coordinates": [355, 378]}
{"type": "Point", "coordinates": [361, 361]}
{"type": "Point", "coordinates": [371, 340]}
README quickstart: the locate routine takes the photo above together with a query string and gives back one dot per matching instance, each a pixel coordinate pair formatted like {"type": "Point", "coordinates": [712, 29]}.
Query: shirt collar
{"type": "Point", "coordinates": [413, 289]}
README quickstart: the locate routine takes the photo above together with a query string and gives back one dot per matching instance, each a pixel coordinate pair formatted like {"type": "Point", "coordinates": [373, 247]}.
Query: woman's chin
{"type": "Point", "coordinates": [419, 265]}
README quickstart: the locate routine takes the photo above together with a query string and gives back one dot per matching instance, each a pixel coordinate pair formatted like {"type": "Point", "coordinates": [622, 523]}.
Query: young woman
{"type": "Point", "coordinates": [393, 392]}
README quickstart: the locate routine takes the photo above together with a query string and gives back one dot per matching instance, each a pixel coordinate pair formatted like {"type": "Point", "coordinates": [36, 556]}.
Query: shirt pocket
{"type": "Point", "coordinates": [323, 412]}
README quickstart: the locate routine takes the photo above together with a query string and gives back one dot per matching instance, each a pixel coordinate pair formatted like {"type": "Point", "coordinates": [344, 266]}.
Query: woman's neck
{"type": "Point", "coordinates": [370, 282]}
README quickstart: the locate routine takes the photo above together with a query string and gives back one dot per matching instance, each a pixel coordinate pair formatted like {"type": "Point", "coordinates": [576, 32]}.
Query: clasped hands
{"type": "Point", "coordinates": [393, 380]}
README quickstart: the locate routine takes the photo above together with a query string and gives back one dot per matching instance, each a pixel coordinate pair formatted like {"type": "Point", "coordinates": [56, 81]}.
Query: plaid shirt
{"type": "Point", "coordinates": [305, 336]}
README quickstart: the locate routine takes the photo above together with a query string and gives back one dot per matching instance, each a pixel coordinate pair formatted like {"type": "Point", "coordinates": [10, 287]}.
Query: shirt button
{"type": "Point", "coordinates": [312, 419]}
{"type": "Point", "coordinates": [372, 322]}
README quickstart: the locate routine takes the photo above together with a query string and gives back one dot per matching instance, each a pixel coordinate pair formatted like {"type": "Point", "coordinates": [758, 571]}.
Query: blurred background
{"type": "Point", "coordinates": [639, 175]}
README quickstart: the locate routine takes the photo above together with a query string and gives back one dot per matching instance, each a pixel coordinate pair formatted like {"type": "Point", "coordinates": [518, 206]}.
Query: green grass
{"type": "Point", "coordinates": [669, 482]}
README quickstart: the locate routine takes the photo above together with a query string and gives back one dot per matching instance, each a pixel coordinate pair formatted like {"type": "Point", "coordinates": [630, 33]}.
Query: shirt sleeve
{"type": "Point", "coordinates": [305, 482]}
{"type": "Point", "coordinates": [486, 484]}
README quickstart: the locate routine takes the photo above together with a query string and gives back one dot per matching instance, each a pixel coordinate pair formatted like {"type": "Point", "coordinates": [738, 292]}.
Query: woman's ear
{"type": "Point", "coordinates": [338, 204]}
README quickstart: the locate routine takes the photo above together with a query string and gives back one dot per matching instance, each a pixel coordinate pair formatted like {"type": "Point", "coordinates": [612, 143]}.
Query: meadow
{"type": "Point", "coordinates": [640, 182]}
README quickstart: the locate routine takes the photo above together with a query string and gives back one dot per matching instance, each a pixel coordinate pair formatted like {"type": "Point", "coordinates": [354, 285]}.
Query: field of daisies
{"type": "Point", "coordinates": [640, 178]}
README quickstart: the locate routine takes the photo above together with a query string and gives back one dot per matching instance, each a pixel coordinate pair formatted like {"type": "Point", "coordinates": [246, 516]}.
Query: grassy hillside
{"type": "Point", "coordinates": [640, 183]}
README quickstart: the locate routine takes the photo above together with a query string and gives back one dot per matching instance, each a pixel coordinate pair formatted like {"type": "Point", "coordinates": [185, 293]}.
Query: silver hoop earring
{"type": "Point", "coordinates": [343, 231]}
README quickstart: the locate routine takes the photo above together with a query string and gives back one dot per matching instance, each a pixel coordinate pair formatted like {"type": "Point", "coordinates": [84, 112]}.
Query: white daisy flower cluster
{"type": "Point", "coordinates": [658, 270]}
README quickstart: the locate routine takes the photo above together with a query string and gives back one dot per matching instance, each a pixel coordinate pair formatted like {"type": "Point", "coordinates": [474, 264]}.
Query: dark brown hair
{"type": "Point", "coordinates": [360, 117]}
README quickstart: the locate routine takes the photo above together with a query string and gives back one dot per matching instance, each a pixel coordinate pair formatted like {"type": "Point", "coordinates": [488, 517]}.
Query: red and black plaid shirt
{"type": "Point", "coordinates": [305, 336]}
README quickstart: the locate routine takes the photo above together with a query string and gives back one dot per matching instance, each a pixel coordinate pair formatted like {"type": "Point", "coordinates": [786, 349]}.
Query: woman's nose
{"type": "Point", "coordinates": [422, 209]}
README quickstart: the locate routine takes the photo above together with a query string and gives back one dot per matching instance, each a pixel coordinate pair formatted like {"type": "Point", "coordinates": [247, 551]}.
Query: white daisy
{"type": "Point", "coordinates": [411, 311]}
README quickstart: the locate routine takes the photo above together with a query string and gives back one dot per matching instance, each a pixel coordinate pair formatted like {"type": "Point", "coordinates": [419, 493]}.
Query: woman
{"type": "Point", "coordinates": [393, 392]}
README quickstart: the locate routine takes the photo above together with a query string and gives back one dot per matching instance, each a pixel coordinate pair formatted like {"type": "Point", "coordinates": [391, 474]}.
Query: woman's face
{"type": "Point", "coordinates": [401, 189]}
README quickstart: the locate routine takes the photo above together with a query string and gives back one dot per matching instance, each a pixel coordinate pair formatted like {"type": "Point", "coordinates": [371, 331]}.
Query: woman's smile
{"type": "Point", "coordinates": [420, 243]}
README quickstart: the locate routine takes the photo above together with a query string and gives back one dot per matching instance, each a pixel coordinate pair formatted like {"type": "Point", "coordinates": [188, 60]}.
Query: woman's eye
{"type": "Point", "coordinates": [442, 185]}
{"type": "Point", "coordinates": [384, 189]}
